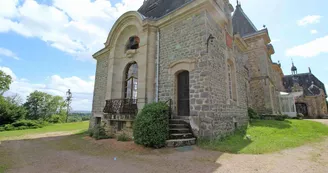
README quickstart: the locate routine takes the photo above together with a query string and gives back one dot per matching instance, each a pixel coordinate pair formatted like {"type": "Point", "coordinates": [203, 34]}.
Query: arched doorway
{"type": "Point", "coordinates": [302, 108]}
{"type": "Point", "coordinates": [183, 94]}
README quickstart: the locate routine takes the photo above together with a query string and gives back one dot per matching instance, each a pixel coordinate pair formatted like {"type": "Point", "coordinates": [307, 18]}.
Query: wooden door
{"type": "Point", "coordinates": [183, 94]}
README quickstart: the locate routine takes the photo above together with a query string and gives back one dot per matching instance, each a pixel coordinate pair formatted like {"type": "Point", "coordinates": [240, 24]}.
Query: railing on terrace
{"type": "Point", "coordinates": [121, 106]}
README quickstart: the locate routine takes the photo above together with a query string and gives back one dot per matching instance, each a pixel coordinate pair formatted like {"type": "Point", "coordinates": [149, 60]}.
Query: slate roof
{"type": "Point", "coordinates": [159, 8]}
{"type": "Point", "coordinates": [304, 80]}
{"type": "Point", "coordinates": [241, 23]}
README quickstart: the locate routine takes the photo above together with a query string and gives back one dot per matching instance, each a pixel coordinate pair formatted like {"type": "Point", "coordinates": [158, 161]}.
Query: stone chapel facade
{"type": "Point", "coordinates": [211, 65]}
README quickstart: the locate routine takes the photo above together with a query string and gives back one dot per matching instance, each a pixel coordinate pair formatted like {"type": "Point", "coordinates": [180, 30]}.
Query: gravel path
{"type": "Point", "coordinates": [70, 154]}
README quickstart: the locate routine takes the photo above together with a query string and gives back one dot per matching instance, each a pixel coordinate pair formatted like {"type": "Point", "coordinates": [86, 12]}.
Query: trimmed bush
{"type": "Point", "coordinates": [98, 132]}
{"type": "Point", "coordinates": [151, 126]}
{"type": "Point", "coordinates": [252, 114]}
{"type": "Point", "coordinates": [300, 116]}
{"type": "Point", "coordinates": [123, 137]}
{"type": "Point", "coordinates": [2, 129]}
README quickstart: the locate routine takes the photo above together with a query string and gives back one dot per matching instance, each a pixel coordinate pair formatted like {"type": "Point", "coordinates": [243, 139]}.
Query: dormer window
{"type": "Point", "coordinates": [133, 43]}
{"type": "Point", "coordinates": [153, 5]}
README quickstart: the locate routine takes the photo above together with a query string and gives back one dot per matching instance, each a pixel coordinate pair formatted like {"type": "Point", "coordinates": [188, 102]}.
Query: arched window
{"type": "Point", "coordinates": [131, 82]}
{"type": "Point", "coordinates": [232, 81]}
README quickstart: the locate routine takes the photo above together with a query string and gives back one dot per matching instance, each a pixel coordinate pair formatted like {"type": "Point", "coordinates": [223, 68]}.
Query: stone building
{"type": "Point", "coordinates": [208, 64]}
{"type": "Point", "coordinates": [312, 104]}
{"type": "Point", "coordinates": [264, 75]}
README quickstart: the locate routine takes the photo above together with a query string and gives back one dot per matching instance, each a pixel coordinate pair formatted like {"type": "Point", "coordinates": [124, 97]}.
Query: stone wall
{"type": "Point", "coordinates": [222, 112]}
{"type": "Point", "coordinates": [264, 95]}
{"type": "Point", "coordinates": [316, 105]}
{"type": "Point", "coordinates": [99, 93]}
{"type": "Point", "coordinates": [211, 113]}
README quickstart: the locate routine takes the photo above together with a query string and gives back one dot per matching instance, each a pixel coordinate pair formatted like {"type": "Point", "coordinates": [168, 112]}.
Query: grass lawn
{"type": "Point", "coordinates": [66, 127]}
{"type": "Point", "coordinates": [269, 136]}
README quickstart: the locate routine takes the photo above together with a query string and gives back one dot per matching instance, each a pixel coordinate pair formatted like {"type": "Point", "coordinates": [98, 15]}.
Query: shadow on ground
{"type": "Point", "coordinates": [78, 153]}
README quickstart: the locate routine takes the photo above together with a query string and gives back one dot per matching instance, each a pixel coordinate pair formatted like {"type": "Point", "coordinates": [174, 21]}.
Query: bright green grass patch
{"type": "Point", "coordinates": [2, 168]}
{"type": "Point", "coordinates": [66, 127]}
{"type": "Point", "coordinates": [269, 136]}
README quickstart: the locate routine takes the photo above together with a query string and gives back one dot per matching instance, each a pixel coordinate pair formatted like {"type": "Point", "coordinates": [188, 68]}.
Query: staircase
{"type": "Point", "coordinates": [180, 133]}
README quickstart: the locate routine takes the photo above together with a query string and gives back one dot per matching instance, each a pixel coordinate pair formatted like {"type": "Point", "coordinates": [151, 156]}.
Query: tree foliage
{"type": "Point", "coordinates": [10, 110]}
{"type": "Point", "coordinates": [41, 105]}
{"type": "Point", "coordinates": [5, 81]}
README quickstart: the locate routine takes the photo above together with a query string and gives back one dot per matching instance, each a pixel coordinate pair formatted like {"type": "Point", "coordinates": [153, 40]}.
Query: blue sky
{"type": "Point", "coordinates": [47, 44]}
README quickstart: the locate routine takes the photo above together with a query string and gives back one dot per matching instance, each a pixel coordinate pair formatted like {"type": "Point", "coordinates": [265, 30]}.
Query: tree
{"type": "Point", "coordinates": [68, 102]}
{"type": "Point", "coordinates": [5, 81]}
{"type": "Point", "coordinates": [41, 105]}
{"type": "Point", "coordinates": [10, 110]}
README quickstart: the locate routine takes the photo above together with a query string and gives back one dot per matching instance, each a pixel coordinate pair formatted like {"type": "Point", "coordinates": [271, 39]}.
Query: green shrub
{"type": "Point", "coordinates": [42, 122]}
{"type": "Point", "coordinates": [252, 114]}
{"type": "Point", "coordinates": [24, 124]}
{"type": "Point", "coordinates": [99, 132]}
{"type": "Point", "coordinates": [151, 126]}
{"type": "Point", "coordinates": [85, 118]}
{"type": "Point", "coordinates": [123, 137]}
{"type": "Point", "coordinates": [90, 132]}
{"type": "Point", "coordinates": [56, 119]}
{"type": "Point", "coordinates": [300, 116]}
{"type": "Point", "coordinates": [10, 111]}
{"type": "Point", "coordinates": [74, 118]}
{"type": "Point", "coordinates": [9, 127]}
{"type": "Point", "coordinates": [22, 128]}
{"type": "Point", "coordinates": [274, 117]}
{"type": "Point", "coordinates": [27, 123]}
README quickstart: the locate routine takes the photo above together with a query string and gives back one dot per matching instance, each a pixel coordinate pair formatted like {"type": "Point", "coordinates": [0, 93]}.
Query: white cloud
{"type": "Point", "coordinates": [313, 31]}
{"type": "Point", "coordinates": [310, 49]}
{"type": "Point", "coordinates": [55, 85]}
{"type": "Point", "coordinates": [8, 8]}
{"type": "Point", "coordinates": [8, 53]}
{"type": "Point", "coordinates": [79, 30]}
{"type": "Point", "coordinates": [310, 19]}
{"type": "Point", "coordinates": [9, 72]}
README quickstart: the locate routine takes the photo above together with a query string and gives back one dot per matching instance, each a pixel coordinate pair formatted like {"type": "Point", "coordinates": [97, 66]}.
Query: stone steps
{"type": "Point", "coordinates": [179, 130]}
{"type": "Point", "coordinates": [180, 142]}
{"type": "Point", "coordinates": [180, 133]}
{"type": "Point", "coordinates": [178, 126]}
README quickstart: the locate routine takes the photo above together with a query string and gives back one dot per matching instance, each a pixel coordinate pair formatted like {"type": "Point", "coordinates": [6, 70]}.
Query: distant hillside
{"type": "Point", "coordinates": [84, 112]}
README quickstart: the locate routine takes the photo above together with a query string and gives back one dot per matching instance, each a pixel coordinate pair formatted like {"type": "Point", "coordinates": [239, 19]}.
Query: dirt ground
{"type": "Point", "coordinates": [76, 153]}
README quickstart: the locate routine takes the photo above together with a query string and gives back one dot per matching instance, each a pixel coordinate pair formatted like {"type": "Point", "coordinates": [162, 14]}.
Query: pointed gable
{"type": "Point", "coordinates": [241, 23]}
{"type": "Point", "coordinates": [159, 8]}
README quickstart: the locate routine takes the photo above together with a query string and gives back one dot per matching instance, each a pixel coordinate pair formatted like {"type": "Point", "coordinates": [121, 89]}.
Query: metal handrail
{"type": "Point", "coordinates": [170, 107]}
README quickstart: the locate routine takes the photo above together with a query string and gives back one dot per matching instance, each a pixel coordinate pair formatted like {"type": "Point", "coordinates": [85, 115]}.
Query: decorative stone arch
{"type": "Point", "coordinates": [176, 68]}
{"type": "Point", "coordinates": [302, 107]}
{"type": "Point", "coordinates": [181, 65]}
{"type": "Point", "coordinates": [231, 80]}
{"type": "Point", "coordinates": [128, 18]}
